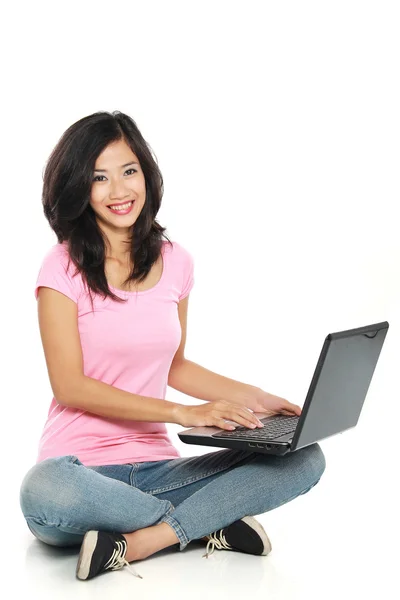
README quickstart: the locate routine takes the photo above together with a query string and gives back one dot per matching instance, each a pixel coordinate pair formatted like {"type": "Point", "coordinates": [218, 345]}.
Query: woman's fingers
{"type": "Point", "coordinates": [244, 417]}
{"type": "Point", "coordinates": [290, 408]}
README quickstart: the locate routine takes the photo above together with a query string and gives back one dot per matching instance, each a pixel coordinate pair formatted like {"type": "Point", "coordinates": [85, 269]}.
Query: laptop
{"type": "Point", "coordinates": [333, 403]}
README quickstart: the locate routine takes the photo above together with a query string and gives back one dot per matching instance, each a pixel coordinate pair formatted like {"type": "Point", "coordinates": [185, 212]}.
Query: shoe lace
{"type": "Point", "coordinates": [215, 542]}
{"type": "Point", "coordinates": [117, 559]}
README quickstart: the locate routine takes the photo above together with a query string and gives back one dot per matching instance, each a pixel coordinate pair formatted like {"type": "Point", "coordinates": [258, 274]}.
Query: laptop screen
{"type": "Point", "coordinates": [340, 383]}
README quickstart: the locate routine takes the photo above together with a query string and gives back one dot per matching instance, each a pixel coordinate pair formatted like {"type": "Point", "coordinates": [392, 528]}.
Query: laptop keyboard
{"type": "Point", "coordinates": [280, 425]}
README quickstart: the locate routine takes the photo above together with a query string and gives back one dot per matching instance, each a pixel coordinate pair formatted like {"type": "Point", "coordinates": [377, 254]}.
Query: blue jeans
{"type": "Point", "coordinates": [61, 498]}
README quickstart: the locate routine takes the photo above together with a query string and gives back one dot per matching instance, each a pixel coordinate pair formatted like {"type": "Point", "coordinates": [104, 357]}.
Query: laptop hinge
{"type": "Point", "coordinates": [284, 438]}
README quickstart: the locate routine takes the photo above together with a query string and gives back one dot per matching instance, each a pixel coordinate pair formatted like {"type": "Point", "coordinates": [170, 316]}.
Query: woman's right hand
{"type": "Point", "coordinates": [213, 414]}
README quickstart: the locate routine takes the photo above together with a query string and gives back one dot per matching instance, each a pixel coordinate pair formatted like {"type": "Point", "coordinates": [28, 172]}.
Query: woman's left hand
{"type": "Point", "coordinates": [262, 402]}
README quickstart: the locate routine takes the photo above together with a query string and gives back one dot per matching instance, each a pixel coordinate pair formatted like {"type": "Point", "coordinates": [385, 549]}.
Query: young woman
{"type": "Point", "coordinates": [112, 306]}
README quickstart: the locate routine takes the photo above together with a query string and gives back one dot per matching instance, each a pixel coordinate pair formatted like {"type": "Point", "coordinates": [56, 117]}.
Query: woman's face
{"type": "Point", "coordinates": [115, 181]}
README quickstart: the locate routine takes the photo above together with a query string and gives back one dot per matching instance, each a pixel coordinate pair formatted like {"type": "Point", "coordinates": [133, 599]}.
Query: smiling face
{"type": "Point", "coordinates": [117, 179]}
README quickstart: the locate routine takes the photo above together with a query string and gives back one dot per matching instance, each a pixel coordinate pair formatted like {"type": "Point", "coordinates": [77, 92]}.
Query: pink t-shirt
{"type": "Point", "coordinates": [127, 345]}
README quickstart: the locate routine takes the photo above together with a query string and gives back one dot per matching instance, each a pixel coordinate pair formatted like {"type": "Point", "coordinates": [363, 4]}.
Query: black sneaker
{"type": "Point", "coordinates": [102, 551]}
{"type": "Point", "coordinates": [246, 535]}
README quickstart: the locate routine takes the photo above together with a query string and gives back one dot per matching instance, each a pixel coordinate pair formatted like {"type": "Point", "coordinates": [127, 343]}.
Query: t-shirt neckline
{"type": "Point", "coordinates": [141, 292]}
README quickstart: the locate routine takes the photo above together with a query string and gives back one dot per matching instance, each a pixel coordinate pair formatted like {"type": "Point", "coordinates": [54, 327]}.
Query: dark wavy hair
{"type": "Point", "coordinates": [67, 182]}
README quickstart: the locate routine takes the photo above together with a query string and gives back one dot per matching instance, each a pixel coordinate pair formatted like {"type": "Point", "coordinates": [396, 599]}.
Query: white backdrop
{"type": "Point", "coordinates": [276, 128]}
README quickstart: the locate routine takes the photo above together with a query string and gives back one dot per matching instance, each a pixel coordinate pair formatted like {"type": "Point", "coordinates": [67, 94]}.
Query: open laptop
{"type": "Point", "coordinates": [333, 404]}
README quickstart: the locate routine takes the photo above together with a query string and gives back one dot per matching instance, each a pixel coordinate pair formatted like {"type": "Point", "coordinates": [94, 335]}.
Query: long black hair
{"type": "Point", "coordinates": [67, 182]}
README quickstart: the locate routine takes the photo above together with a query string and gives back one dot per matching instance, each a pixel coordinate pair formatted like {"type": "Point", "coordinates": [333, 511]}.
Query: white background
{"type": "Point", "coordinates": [276, 129]}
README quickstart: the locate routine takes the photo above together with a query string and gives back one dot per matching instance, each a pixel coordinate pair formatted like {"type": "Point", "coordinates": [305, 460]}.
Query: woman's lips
{"type": "Point", "coordinates": [122, 212]}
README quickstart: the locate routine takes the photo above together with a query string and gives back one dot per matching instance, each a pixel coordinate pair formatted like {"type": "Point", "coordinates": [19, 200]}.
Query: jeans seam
{"type": "Point", "coordinates": [132, 476]}
{"type": "Point", "coordinates": [40, 522]}
{"type": "Point", "coordinates": [174, 486]}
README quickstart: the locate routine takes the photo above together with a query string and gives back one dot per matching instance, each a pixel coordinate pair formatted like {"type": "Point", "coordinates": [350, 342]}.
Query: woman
{"type": "Point", "coordinates": [112, 306]}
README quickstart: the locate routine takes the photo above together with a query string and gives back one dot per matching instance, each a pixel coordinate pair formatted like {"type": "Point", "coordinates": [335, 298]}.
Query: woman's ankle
{"type": "Point", "coordinates": [145, 542]}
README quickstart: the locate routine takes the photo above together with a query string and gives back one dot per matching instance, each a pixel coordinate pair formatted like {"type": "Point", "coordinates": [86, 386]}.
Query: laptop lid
{"type": "Point", "coordinates": [340, 383]}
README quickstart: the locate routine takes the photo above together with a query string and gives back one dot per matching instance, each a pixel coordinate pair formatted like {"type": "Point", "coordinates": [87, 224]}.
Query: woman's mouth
{"type": "Point", "coordinates": [123, 209]}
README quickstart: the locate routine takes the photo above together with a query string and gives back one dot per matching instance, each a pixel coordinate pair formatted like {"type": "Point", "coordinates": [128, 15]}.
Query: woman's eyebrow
{"type": "Point", "coordinates": [121, 167]}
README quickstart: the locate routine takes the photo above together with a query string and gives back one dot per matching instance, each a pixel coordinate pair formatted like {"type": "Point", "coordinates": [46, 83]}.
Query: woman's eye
{"type": "Point", "coordinates": [97, 176]}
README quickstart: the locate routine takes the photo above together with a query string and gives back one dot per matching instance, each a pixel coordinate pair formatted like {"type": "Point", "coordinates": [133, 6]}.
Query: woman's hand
{"type": "Point", "coordinates": [214, 414]}
{"type": "Point", "coordinates": [262, 402]}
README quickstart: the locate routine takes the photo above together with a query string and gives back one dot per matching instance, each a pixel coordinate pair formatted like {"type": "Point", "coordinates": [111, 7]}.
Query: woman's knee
{"type": "Point", "coordinates": [45, 481]}
{"type": "Point", "coordinates": [314, 458]}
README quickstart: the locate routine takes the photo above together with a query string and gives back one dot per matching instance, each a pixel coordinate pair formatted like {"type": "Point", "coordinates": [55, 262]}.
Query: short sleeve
{"type": "Point", "coordinates": [187, 264]}
{"type": "Point", "coordinates": [54, 273]}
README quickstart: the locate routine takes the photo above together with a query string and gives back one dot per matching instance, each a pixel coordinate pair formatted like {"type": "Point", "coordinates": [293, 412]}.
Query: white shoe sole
{"type": "Point", "coordinates": [86, 553]}
{"type": "Point", "coordinates": [258, 528]}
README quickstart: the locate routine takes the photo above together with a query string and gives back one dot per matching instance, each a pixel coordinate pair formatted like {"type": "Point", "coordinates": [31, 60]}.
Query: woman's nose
{"type": "Point", "coordinates": [118, 189]}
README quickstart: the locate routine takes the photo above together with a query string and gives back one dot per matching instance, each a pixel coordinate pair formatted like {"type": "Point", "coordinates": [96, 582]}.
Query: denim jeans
{"type": "Point", "coordinates": [61, 498]}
